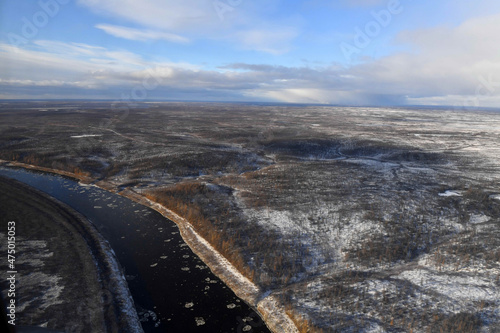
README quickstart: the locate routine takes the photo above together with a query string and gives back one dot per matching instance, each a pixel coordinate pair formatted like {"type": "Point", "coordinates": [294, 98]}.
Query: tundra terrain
{"type": "Point", "coordinates": [356, 219]}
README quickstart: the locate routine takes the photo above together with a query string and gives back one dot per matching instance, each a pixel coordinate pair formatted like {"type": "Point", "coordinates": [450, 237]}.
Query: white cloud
{"type": "Point", "coordinates": [172, 20]}
{"type": "Point", "coordinates": [445, 61]}
{"type": "Point", "coordinates": [363, 3]}
{"type": "Point", "coordinates": [346, 3]}
{"type": "Point", "coordinates": [68, 63]}
{"type": "Point", "coordinates": [271, 40]}
{"type": "Point", "coordinates": [468, 102]}
{"type": "Point", "coordinates": [69, 49]}
{"type": "Point", "coordinates": [171, 15]}
{"type": "Point", "coordinates": [41, 83]}
{"type": "Point", "coordinates": [140, 34]}
{"type": "Point", "coordinates": [449, 65]}
{"type": "Point", "coordinates": [295, 95]}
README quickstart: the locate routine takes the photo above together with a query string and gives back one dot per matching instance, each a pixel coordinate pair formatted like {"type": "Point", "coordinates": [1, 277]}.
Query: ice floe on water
{"type": "Point", "coordinates": [147, 315]}
{"type": "Point", "coordinates": [210, 280]}
{"type": "Point", "coordinates": [450, 193]}
{"type": "Point", "coordinates": [189, 305]}
{"type": "Point", "coordinates": [153, 265]}
{"type": "Point", "coordinates": [199, 321]}
{"type": "Point", "coordinates": [246, 328]}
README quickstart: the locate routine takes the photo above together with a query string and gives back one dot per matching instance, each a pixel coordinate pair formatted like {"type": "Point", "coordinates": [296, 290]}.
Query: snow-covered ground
{"type": "Point", "coordinates": [383, 217]}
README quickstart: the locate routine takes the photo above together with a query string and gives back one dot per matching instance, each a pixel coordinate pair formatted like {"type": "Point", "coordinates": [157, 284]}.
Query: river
{"type": "Point", "coordinates": [173, 290]}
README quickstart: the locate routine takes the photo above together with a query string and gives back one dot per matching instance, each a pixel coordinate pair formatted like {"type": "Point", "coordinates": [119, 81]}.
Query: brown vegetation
{"type": "Point", "coordinates": [179, 199]}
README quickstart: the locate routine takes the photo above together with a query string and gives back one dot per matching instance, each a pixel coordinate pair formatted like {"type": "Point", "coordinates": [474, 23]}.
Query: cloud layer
{"type": "Point", "coordinates": [174, 21]}
{"type": "Point", "coordinates": [140, 34]}
{"type": "Point", "coordinates": [446, 65]}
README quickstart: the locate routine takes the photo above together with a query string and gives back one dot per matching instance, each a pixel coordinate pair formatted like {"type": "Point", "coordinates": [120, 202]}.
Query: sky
{"type": "Point", "coordinates": [339, 52]}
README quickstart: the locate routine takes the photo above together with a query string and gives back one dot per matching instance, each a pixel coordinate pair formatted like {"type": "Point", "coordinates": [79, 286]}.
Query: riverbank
{"type": "Point", "coordinates": [67, 276]}
{"type": "Point", "coordinates": [269, 309]}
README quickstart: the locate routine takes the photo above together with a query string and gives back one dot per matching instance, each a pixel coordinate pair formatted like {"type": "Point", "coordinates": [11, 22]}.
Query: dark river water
{"type": "Point", "coordinates": [173, 290]}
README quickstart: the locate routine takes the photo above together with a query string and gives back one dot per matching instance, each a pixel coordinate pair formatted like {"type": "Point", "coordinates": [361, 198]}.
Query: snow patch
{"type": "Point", "coordinates": [460, 288]}
{"type": "Point", "coordinates": [356, 231]}
{"type": "Point", "coordinates": [476, 219]}
{"type": "Point", "coordinates": [450, 193]}
{"type": "Point", "coordinates": [52, 290]}
{"type": "Point", "coordinates": [85, 136]}
{"type": "Point", "coordinates": [282, 221]}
